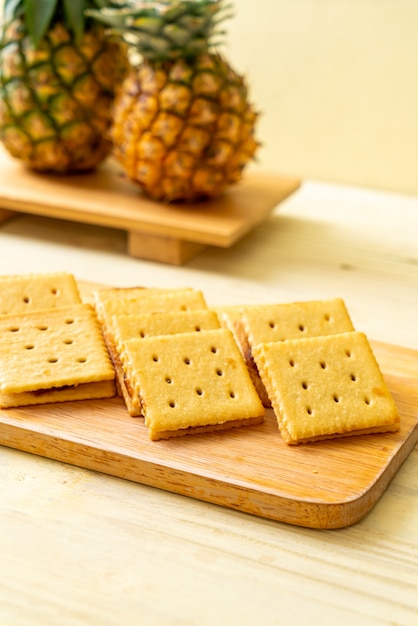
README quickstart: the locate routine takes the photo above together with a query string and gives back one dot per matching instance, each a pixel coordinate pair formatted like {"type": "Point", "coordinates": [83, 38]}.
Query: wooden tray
{"type": "Point", "coordinates": [327, 484]}
{"type": "Point", "coordinates": [167, 233]}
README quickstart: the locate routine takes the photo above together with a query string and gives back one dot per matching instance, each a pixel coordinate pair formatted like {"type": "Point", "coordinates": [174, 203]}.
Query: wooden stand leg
{"type": "Point", "coordinates": [6, 215]}
{"type": "Point", "coordinates": [162, 249]}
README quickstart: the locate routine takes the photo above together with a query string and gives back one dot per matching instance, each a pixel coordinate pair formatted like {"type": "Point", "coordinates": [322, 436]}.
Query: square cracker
{"type": "Point", "coordinates": [284, 321]}
{"type": "Point", "coordinates": [153, 324]}
{"type": "Point", "coordinates": [295, 320]}
{"type": "Point", "coordinates": [191, 382]}
{"type": "Point", "coordinates": [123, 293]}
{"type": "Point", "coordinates": [53, 354]}
{"type": "Point", "coordinates": [137, 300]}
{"type": "Point", "coordinates": [126, 327]}
{"type": "Point", "coordinates": [326, 387]}
{"type": "Point", "coordinates": [32, 292]}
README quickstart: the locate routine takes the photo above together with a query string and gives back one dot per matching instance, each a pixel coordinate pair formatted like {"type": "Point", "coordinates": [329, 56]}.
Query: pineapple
{"type": "Point", "coordinates": [58, 73]}
{"type": "Point", "coordinates": [183, 127]}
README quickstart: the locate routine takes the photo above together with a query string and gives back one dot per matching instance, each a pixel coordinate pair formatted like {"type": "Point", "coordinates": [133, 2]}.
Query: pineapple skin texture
{"type": "Point", "coordinates": [183, 130]}
{"type": "Point", "coordinates": [55, 100]}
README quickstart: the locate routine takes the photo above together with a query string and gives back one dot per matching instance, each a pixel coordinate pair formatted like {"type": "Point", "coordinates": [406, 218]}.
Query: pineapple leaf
{"type": "Point", "coordinates": [74, 16]}
{"type": "Point", "coordinates": [11, 9]}
{"type": "Point", "coordinates": [112, 17]}
{"type": "Point", "coordinates": [38, 17]}
{"type": "Point", "coordinates": [162, 29]}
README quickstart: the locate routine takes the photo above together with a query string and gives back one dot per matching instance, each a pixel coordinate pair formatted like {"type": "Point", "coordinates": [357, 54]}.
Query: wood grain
{"type": "Point", "coordinates": [106, 198]}
{"type": "Point", "coordinates": [328, 484]}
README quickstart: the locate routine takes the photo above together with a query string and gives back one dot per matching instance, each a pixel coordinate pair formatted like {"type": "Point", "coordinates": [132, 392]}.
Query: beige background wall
{"type": "Point", "coordinates": [337, 84]}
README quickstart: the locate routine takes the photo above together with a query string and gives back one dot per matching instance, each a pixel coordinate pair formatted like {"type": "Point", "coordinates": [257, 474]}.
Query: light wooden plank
{"type": "Point", "coordinates": [163, 249]}
{"type": "Point", "coordinates": [106, 198]}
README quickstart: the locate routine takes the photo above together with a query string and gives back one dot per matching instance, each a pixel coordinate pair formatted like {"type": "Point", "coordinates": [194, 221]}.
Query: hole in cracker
{"type": "Point", "coordinates": [327, 317]}
{"type": "Point", "coordinates": [54, 291]}
{"type": "Point", "coordinates": [52, 360]}
{"type": "Point", "coordinates": [353, 377]}
{"type": "Point", "coordinates": [348, 353]}
{"type": "Point", "coordinates": [81, 359]}
{"type": "Point", "coordinates": [214, 349]}
{"type": "Point", "coordinates": [292, 363]}
{"type": "Point", "coordinates": [219, 372]}
{"type": "Point", "coordinates": [272, 324]}
{"type": "Point", "coordinates": [26, 299]}
{"type": "Point", "coordinates": [323, 365]}
{"type": "Point", "coordinates": [183, 307]}
{"type": "Point", "coordinates": [197, 328]}
{"type": "Point", "coordinates": [68, 342]}
{"type": "Point", "coordinates": [199, 391]}
{"type": "Point", "coordinates": [172, 404]}
{"type": "Point", "coordinates": [168, 380]}
{"type": "Point", "coordinates": [309, 410]}
{"type": "Point", "coordinates": [42, 327]}
{"type": "Point", "coordinates": [29, 347]}
{"type": "Point", "coordinates": [155, 358]}
{"type": "Point", "coordinates": [301, 328]}
{"type": "Point", "coordinates": [14, 329]}
{"type": "Point", "coordinates": [367, 400]}
{"type": "Point", "coordinates": [186, 360]}
{"type": "Point", "coordinates": [305, 385]}
{"type": "Point", "coordinates": [232, 394]}
{"type": "Point", "coordinates": [142, 334]}
{"type": "Point", "coordinates": [336, 398]}
{"type": "Point", "coordinates": [70, 320]}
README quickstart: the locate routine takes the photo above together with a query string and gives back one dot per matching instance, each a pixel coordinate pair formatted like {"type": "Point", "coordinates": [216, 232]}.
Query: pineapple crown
{"type": "Point", "coordinates": [166, 29]}
{"type": "Point", "coordinates": [39, 14]}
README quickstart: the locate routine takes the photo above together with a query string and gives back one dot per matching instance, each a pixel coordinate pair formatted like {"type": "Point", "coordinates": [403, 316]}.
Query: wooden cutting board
{"type": "Point", "coordinates": [170, 234]}
{"type": "Point", "coordinates": [329, 484]}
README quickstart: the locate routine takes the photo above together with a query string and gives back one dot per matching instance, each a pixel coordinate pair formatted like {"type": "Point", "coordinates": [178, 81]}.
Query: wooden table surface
{"type": "Point", "coordinates": [82, 548]}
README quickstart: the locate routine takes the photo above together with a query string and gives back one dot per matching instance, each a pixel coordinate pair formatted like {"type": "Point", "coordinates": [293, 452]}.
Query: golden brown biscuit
{"type": "Point", "coordinates": [326, 387]}
{"type": "Point", "coordinates": [191, 382]}
{"type": "Point", "coordinates": [136, 301]}
{"type": "Point", "coordinates": [295, 320]}
{"type": "Point", "coordinates": [31, 292]}
{"type": "Point", "coordinates": [153, 324]}
{"type": "Point", "coordinates": [53, 355]}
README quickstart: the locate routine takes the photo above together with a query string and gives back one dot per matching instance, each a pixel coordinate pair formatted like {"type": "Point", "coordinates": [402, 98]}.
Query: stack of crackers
{"type": "Point", "coordinates": [51, 345]}
{"type": "Point", "coordinates": [314, 369]}
{"type": "Point", "coordinates": [188, 368]}
{"type": "Point", "coordinates": [175, 365]}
